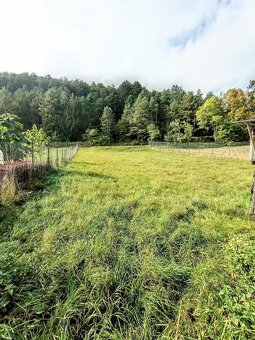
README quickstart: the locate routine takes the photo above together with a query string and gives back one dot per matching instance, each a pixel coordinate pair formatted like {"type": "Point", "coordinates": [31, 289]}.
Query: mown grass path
{"type": "Point", "coordinates": [131, 243]}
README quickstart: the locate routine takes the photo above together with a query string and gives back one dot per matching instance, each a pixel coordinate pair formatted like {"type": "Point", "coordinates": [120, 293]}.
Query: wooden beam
{"type": "Point", "coordinates": [251, 131]}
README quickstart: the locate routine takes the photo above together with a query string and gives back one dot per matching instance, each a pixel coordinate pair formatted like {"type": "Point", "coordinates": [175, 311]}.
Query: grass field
{"type": "Point", "coordinates": [131, 243]}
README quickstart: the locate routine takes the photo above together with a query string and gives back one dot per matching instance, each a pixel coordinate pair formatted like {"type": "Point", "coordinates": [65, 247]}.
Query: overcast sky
{"type": "Point", "coordinates": [206, 44]}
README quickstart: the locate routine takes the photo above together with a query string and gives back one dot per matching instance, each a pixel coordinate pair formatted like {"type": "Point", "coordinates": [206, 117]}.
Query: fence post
{"type": "Point", "coordinates": [56, 156]}
{"type": "Point", "coordinates": [32, 151]}
{"type": "Point", "coordinates": [48, 155]}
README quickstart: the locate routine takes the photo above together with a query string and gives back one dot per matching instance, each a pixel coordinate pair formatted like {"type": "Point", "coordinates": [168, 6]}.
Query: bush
{"type": "Point", "coordinates": [179, 132]}
{"type": "Point", "coordinates": [225, 133]}
{"type": "Point", "coordinates": [102, 140]}
{"type": "Point", "coordinates": [202, 139]}
{"type": "Point", "coordinates": [153, 131]}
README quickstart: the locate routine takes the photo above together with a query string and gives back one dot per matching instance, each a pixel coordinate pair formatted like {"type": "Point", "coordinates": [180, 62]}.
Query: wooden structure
{"type": "Point", "coordinates": [250, 123]}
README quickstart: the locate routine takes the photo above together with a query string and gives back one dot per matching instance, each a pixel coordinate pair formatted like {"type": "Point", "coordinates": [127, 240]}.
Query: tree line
{"type": "Point", "coordinates": [71, 110]}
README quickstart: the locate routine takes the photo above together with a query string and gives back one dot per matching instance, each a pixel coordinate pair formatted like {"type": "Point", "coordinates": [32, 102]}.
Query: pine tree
{"type": "Point", "coordinates": [140, 118]}
{"type": "Point", "coordinates": [107, 122]}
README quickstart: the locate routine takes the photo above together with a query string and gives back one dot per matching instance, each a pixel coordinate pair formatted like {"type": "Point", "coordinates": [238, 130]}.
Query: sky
{"type": "Point", "coordinates": [198, 44]}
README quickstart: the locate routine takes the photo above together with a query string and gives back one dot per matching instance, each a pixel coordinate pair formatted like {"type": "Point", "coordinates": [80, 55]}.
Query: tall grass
{"type": "Point", "coordinates": [131, 243]}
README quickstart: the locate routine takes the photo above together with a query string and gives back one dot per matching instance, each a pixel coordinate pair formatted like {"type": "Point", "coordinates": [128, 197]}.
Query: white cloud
{"type": "Point", "coordinates": [197, 44]}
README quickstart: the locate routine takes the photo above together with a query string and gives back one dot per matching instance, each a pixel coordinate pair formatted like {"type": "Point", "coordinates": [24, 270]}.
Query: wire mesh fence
{"type": "Point", "coordinates": [237, 151]}
{"type": "Point", "coordinates": [53, 155]}
{"type": "Point", "coordinates": [32, 164]}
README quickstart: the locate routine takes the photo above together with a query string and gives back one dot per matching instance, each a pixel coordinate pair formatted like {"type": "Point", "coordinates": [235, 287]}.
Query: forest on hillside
{"type": "Point", "coordinates": [71, 110]}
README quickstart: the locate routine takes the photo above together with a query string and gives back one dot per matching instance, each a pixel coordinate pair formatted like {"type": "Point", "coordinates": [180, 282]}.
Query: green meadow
{"type": "Point", "coordinates": [131, 243]}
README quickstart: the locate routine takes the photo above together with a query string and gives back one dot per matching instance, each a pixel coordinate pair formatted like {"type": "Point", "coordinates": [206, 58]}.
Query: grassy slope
{"type": "Point", "coordinates": [132, 243]}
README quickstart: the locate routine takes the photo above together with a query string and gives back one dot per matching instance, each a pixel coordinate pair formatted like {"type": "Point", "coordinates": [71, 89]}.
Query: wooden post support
{"type": "Point", "coordinates": [250, 123]}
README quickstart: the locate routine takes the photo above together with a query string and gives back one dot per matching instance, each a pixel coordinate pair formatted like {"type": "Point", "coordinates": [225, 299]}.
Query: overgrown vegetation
{"type": "Point", "coordinates": [131, 243]}
{"type": "Point", "coordinates": [13, 144]}
{"type": "Point", "coordinates": [69, 110]}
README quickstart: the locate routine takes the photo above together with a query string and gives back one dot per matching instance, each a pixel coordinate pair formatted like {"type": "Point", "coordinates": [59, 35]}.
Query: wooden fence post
{"type": "Point", "coordinates": [32, 151]}
{"type": "Point", "coordinates": [48, 155]}
{"type": "Point", "coordinates": [253, 196]}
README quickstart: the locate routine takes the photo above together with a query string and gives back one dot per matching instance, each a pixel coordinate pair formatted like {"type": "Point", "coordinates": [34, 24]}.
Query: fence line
{"type": "Point", "coordinates": [240, 151]}
{"type": "Point", "coordinates": [34, 164]}
{"type": "Point", "coordinates": [53, 154]}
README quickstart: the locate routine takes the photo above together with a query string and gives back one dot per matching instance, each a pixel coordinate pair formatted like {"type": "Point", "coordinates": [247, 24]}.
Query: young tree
{"type": "Point", "coordinates": [174, 134]}
{"type": "Point", "coordinates": [238, 104]}
{"type": "Point", "coordinates": [123, 125]}
{"type": "Point", "coordinates": [90, 136]}
{"type": "Point", "coordinates": [225, 133]}
{"type": "Point", "coordinates": [139, 119]}
{"type": "Point", "coordinates": [6, 101]}
{"type": "Point", "coordinates": [187, 132]}
{"type": "Point", "coordinates": [153, 131]}
{"type": "Point", "coordinates": [37, 139]}
{"type": "Point", "coordinates": [107, 123]}
{"type": "Point", "coordinates": [154, 109]}
{"type": "Point", "coordinates": [124, 91]}
{"type": "Point", "coordinates": [12, 142]}
{"type": "Point", "coordinates": [59, 113]}
{"type": "Point", "coordinates": [210, 114]}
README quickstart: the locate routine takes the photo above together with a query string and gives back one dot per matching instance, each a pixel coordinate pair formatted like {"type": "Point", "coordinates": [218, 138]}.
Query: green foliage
{"type": "Point", "coordinates": [6, 101]}
{"type": "Point", "coordinates": [59, 113]}
{"type": "Point", "coordinates": [93, 137]}
{"type": "Point", "coordinates": [174, 133]}
{"type": "Point", "coordinates": [103, 140]}
{"type": "Point", "coordinates": [66, 108]}
{"type": "Point", "coordinates": [90, 135]}
{"type": "Point", "coordinates": [225, 133]}
{"type": "Point", "coordinates": [153, 131]}
{"type": "Point", "coordinates": [238, 299]}
{"type": "Point", "coordinates": [225, 293]}
{"type": "Point", "coordinates": [210, 114]}
{"type": "Point", "coordinates": [187, 132]}
{"type": "Point", "coordinates": [240, 104]}
{"type": "Point", "coordinates": [139, 119]}
{"type": "Point", "coordinates": [107, 123]}
{"type": "Point", "coordinates": [179, 132]}
{"type": "Point", "coordinates": [123, 125]}
{"type": "Point", "coordinates": [37, 138]}
{"type": "Point", "coordinates": [12, 142]}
